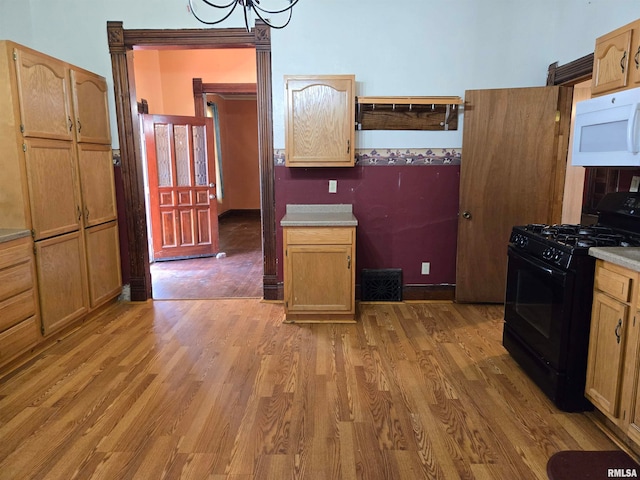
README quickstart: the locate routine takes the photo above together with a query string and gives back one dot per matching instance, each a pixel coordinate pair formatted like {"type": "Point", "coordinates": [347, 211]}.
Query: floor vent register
{"type": "Point", "coordinates": [381, 285]}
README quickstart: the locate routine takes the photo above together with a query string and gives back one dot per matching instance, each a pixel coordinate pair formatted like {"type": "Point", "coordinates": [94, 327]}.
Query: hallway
{"type": "Point", "coordinates": [237, 275]}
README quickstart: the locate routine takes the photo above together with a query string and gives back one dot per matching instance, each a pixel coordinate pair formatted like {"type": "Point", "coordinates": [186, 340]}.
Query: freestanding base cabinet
{"type": "Point", "coordinates": [319, 263]}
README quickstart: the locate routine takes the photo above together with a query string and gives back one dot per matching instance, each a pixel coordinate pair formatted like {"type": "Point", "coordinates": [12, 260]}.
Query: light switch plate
{"type": "Point", "coordinates": [635, 183]}
{"type": "Point", "coordinates": [333, 186]}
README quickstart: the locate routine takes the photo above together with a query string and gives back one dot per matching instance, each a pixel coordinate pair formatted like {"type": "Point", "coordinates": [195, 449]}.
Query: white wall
{"type": "Point", "coordinates": [411, 47]}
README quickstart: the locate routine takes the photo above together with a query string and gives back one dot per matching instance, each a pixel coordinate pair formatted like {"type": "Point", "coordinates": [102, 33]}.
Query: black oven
{"type": "Point", "coordinates": [549, 292]}
{"type": "Point", "coordinates": [547, 325]}
{"type": "Point", "coordinates": [537, 304]}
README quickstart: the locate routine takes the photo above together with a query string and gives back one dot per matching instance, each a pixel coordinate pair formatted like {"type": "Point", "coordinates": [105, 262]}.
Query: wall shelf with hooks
{"type": "Point", "coordinates": [407, 113]}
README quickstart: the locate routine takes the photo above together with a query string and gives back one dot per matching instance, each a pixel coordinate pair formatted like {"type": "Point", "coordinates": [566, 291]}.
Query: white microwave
{"type": "Point", "coordinates": [606, 131]}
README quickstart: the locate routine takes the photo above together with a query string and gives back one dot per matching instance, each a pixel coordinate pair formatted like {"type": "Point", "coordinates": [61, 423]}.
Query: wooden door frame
{"type": "Point", "coordinates": [121, 44]}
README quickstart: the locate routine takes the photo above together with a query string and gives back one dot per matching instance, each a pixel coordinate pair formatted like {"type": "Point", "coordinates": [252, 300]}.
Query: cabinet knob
{"type": "Point", "coordinates": [466, 215]}
{"type": "Point", "coordinates": [212, 196]}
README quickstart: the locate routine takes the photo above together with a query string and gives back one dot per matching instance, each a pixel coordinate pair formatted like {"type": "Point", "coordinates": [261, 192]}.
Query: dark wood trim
{"type": "Point", "coordinates": [570, 73]}
{"type": "Point", "coordinates": [121, 43]}
{"type": "Point", "coordinates": [201, 89]}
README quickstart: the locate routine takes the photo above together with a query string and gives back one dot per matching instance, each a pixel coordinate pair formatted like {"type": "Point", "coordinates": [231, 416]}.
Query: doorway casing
{"type": "Point", "coordinates": [121, 45]}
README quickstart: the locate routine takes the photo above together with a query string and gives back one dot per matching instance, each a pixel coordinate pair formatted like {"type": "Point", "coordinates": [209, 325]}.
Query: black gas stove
{"type": "Point", "coordinates": [549, 294]}
{"type": "Point", "coordinates": [560, 244]}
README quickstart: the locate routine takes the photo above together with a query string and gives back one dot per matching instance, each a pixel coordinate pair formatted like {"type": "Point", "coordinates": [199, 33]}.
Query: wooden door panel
{"type": "Point", "coordinates": [90, 107]}
{"type": "Point", "coordinates": [43, 90]}
{"type": "Point", "coordinates": [512, 173]}
{"type": "Point", "coordinates": [97, 184]}
{"type": "Point", "coordinates": [605, 353]}
{"type": "Point", "coordinates": [181, 171]}
{"type": "Point", "coordinates": [53, 195]}
{"type": "Point", "coordinates": [103, 262]}
{"type": "Point", "coordinates": [62, 284]}
{"type": "Point", "coordinates": [320, 278]}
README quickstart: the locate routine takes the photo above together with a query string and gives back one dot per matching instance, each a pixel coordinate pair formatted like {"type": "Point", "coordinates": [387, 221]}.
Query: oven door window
{"type": "Point", "coordinates": [537, 306]}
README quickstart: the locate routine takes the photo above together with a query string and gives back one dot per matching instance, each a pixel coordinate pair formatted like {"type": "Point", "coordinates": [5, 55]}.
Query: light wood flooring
{"type": "Point", "coordinates": [223, 389]}
{"type": "Point", "coordinates": [237, 275]}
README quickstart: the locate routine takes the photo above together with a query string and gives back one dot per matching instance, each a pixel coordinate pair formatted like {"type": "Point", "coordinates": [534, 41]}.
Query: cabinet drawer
{"type": "Point", "coordinates": [14, 252]}
{"type": "Point", "coordinates": [15, 309]}
{"type": "Point", "coordinates": [15, 280]}
{"type": "Point", "coordinates": [319, 236]}
{"type": "Point", "coordinates": [613, 283]}
{"type": "Point", "coordinates": [18, 339]}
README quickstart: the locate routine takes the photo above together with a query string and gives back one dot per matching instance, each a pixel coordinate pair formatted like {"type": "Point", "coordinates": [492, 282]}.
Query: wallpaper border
{"type": "Point", "coordinates": [380, 157]}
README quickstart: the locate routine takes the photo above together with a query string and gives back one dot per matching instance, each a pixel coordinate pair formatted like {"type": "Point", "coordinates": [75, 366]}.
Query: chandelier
{"type": "Point", "coordinates": [224, 11]}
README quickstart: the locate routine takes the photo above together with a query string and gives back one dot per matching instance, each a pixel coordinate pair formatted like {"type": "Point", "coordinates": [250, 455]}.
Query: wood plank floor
{"type": "Point", "coordinates": [222, 389]}
{"type": "Point", "coordinates": [237, 275]}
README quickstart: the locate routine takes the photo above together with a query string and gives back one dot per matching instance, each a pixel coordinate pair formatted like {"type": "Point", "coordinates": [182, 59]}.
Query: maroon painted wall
{"type": "Point", "coordinates": [406, 214]}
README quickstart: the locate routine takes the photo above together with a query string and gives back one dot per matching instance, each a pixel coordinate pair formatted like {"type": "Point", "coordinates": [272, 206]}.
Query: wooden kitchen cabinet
{"type": "Point", "coordinates": [62, 281]}
{"type": "Point", "coordinates": [58, 180]}
{"type": "Point", "coordinates": [90, 107]}
{"type": "Point", "coordinates": [19, 315]}
{"type": "Point", "coordinates": [613, 369]}
{"type": "Point", "coordinates": [53, 192]}
{"type": "Point", "coordinates": [96, 184]}
{"type": "Point", "coordinates": [320, 120]}
{"type": "Point", "coordinates": [103, 262]}
{"type": "Point", "coordinates": [616, 62]}
{"type": "Point", "coordinates": [319, 274]}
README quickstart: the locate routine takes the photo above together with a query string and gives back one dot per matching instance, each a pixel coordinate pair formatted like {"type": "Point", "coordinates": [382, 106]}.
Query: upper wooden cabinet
{"type": "Point", "coordinates": [57, 100]}
{"type": "Point", "coordinates": [43, 90]}
{"type": "Point", "coordinates": [320, 120]}
{"type": "Point", "coordinates": [90, 107]}
{"type": "Point", "coordinates": [616, 62]}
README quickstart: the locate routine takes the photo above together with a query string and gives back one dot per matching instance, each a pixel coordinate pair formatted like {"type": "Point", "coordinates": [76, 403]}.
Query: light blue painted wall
{"type": "Point", "coordinates": [411, 47]}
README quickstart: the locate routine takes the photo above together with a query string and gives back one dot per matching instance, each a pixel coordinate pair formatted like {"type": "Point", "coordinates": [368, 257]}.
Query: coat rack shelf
{"type": "Point", "coordinates": [407, 113]}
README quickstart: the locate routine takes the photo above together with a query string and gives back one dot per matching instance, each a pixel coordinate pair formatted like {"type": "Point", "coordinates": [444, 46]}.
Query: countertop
{"type": "Point", "coordinates": [628, 257]}
{"type": "Point", "coordinates": [8, 234]}
{"type": "Point", "coordinates": [332, 215]}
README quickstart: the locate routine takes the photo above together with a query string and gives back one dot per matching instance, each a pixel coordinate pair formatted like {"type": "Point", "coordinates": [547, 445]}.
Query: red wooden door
{"type": "Point", "coordinates": [182, 193]}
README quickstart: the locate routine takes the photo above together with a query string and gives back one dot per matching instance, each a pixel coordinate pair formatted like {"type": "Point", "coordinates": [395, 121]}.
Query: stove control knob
{"type": "Point", "coordinates": [547, 254]}
{"type": "Point", "coordinates": [520, 240]}
{"type": "Point", "coordinates": [557, 257]}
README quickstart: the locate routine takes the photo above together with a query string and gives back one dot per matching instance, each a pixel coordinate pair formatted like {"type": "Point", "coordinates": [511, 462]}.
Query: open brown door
{"type": "Point", "coordinates": [514, 153]}
{"type": "Point", "coordinates": [182, 193]}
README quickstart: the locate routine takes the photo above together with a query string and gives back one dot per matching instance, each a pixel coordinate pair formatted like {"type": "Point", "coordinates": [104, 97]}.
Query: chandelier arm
{"type": "Point", "coordinates": [257, 7]}
{"type": "Point", "coordinates": [271, 24]}
{"type": "Point", "coordinates": [211, 4]}
{"type": "Point", "coordinates": [234, 3]}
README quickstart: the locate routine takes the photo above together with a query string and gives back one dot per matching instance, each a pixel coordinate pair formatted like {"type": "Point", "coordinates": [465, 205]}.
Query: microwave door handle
{"type": "Point", "coordinates": [633, 131]}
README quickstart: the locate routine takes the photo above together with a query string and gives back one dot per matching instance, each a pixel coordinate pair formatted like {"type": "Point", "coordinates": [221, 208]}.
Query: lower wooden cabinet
{"type": "Point", "coordinates": [19, 317]}
{"type": "Point", "coordinates": [61, 267]}
{"type": "Point", "coordinates": [319, 274]}
{"type": "Point", "coordinates": [613, 369]}
{"type": "Point", "coordinates": [103, 262]}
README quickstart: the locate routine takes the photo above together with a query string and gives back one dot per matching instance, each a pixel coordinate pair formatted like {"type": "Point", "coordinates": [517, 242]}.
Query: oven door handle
{"type": "Point", "coordinates": [554, 272]}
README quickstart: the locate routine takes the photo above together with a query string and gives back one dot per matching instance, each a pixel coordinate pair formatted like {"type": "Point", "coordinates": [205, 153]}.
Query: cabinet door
{"type": "Point", "coordinates": [90, 107]}
{"type": "Point", "coordinates": [61, 267]}
{"type": "Point", "coordinates": [103, 263]}
{"type": "Point", "coordinates": [319, 278]}
{"type": "Point", "coordinates": [43, 91]}
{"type": "Point", "coordinates": [97, 186]}
{"type": "Point", "coordinates": [604, 365]}
{"type": "Point", "coordinates": [634, 60]}
{"type": "Point", "coordinates": [320, 121]}
{"type": "Point", "coordinates": [53, 195]}
{"type": "Point", "coordinates": [611, 61]}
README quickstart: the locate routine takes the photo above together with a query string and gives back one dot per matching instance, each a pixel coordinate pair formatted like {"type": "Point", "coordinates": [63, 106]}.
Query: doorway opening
{"type": "Point", "coordinates": [121, 45]}
{"type": "Point", "coordinates": [202, 176]}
